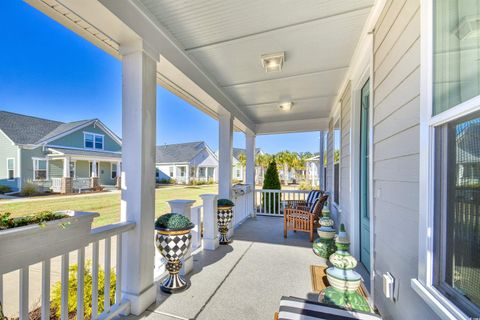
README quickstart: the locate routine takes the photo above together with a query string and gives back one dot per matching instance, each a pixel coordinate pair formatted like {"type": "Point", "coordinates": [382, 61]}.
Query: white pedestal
{"type": "Point", "coordinates": [184, 207]}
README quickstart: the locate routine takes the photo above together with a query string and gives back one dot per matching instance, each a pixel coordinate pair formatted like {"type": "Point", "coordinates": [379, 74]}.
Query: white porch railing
{"type": "Point", "coordinates": [271, 202]}
{"type": "Point", "coordinates": [79, 184]}
{"type": "Point", "coordinates": [56, 184]}
{"type": "Point", "coordinates": [104, 233]}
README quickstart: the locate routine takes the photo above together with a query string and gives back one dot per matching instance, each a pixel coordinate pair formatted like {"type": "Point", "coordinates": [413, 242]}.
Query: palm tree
{"type": "Point", "coordinates": [262, 161]}
{"type": "Point", "coordinates": [285, 159]}
{"type": "Point", "coordinates": [242, 158]}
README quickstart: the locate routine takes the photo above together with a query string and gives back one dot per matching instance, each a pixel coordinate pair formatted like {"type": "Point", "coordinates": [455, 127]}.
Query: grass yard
{"type": "Point", "coordinates": [107, 205]}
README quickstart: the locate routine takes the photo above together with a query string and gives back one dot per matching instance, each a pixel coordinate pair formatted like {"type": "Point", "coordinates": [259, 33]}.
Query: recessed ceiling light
{"type": "Point", "coordinates": [286, 106]}
{"type": "Point", "coordinates": [273, 61]}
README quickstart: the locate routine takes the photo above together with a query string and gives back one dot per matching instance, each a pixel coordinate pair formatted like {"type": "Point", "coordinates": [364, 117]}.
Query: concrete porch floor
{"type": "Point", "coordinates": [246, 279]}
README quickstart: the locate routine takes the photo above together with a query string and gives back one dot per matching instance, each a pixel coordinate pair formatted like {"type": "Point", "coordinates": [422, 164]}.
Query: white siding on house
{"type": "Point", "coordinates": [396, 84]}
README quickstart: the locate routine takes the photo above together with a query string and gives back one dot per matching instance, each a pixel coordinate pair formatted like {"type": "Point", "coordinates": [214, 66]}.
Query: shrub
{"type": "Point", "coordinates": [167, 181]}
{"type": "Point", "coordinates": [87, 289]}
{"type": "Point", "coordinates": [7, 222]}
{"type": "Point", "coordinates": [5, 189]}
{"type": "Point", "coordinates": [173, 221]}
{"type": "Point", "coordinates": [271, 181]}
{"type": "Point", "coordinates": [29, 189]}
{"type": "Point", "coordinates": [225, 203]}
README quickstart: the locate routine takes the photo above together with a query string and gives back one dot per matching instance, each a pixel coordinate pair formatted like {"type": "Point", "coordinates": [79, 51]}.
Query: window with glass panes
{"type": "Point", "coordinates": [456, 140]}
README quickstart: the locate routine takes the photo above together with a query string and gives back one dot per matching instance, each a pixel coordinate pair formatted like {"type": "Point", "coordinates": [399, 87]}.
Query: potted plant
{"type": "Point", "coordinates": [26, 240]}
{"type": "Point", "coordinates": [173, 240]}
{"type": "Point", "coordinates": [224, 217]}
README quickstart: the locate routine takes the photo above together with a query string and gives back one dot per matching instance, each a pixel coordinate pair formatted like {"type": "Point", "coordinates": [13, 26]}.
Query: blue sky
{"type": "Point", "coordinates": [49, 72]}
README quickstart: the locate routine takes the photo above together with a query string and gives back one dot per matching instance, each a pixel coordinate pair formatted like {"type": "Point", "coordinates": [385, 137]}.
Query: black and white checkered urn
{"type": "Point", "coordinates": [224, 216]}
{"type": "Point", "coordinates": [173, 244]}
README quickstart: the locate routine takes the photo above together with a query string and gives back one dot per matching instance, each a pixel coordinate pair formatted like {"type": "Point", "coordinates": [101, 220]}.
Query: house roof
{"type": "Point", "coordinates": [238, 151]}
{"type": "Point", "coordinates": [90, 153]}
{"type": "Point", "coordinates": [181, 152]}
{"type": "Point", "coordinates": [23, 129]}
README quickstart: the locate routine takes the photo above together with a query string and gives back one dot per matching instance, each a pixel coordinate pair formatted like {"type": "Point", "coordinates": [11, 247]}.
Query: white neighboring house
{"type": "Point", "coordinates": [185, 162]}
{"type": "Point", "coordinates": [238, 171]}
{"type": "Point", "coordinates": [312, 166]}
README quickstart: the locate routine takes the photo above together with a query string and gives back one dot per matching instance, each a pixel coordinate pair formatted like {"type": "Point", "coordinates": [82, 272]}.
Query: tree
{"type": "Point", "coordinates": [271, 182]}
{"type": "Point", "coordinates": [242, 159]}
{"type": "Point", "coordinates": [262, 160]}
{"type": "Point", "coordinates": [285, 159]}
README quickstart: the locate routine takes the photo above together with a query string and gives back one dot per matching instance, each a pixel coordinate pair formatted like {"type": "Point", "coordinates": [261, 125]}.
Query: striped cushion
{"type": "Point", "coordinates": [298, 309]}
{"type": "Point", "coordinates": [311, 207]}
{"type": "Point", "coordinates": [312, 196]}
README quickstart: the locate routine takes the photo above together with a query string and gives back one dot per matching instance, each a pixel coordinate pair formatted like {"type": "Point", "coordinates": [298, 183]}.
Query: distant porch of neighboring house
{"type": "Point", "coordinates": [79, 170]}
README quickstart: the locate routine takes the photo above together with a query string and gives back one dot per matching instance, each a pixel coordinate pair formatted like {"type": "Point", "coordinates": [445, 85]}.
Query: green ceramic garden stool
{"type": "Point", "coordinates": [344, 281]}
{"type": "Point", "coordinates": [324, 246]}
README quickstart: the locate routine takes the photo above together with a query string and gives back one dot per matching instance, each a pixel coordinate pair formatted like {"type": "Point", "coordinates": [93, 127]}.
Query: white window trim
{"type": "Point", "coordinates": [35, 166]}
{"type": "Point", "coordinates": [423, 284]}
{"type": "Point", "coordinates": [94, 136]}
{"type": "Point", "coordinates": [14, 169]}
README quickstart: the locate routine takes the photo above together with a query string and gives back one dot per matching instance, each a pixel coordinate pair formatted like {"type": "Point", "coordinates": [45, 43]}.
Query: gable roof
{"type": "Point", "coordinates": [24, 129]}
{"type": "Point", "coordinates": [237, 151]}
{"type": "Point", "coordinates": [181, 152]}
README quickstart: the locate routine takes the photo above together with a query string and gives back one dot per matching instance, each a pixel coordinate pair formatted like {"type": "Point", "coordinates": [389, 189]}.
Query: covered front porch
{"type": "Point", "coordinates": [80, 170]}
{"type": "Point", "coordinates": [246, 279]}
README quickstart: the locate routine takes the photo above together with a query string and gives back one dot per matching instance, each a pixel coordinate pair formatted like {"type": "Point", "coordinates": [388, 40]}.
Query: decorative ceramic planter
{"type": "Point", "coordinates": [324, 246]}
{"type": "Point", "coordinates": [344, 281]}
{"type": "Point", "coordinates": [224, 217]}
{"type": "Point", "coordinates": [173, 244]}
{"type": "Point", "coordinates": [29, 244]}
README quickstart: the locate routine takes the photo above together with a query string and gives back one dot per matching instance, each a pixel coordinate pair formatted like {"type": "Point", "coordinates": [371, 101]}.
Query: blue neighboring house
{"type": "Point", "coordinates": [43, 152]}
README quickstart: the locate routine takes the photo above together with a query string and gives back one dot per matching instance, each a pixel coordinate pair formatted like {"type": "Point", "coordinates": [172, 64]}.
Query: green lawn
{"type": "Point", "coordinates": [108, 205]}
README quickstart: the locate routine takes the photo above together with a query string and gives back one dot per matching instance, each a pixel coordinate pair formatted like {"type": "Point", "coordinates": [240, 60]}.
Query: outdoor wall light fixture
{"type": "Point", "coordinates": [273, 61]}
{"type": "Point", "coordinates": [286, 106]}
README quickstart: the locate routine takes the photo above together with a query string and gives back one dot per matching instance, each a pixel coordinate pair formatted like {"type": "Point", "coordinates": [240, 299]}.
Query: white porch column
{"type": "Point", "coordinates": [184, 207]}
{"type": "Point", "coordinates": [94, 169]}
{"type": "Point", "coordinates": [210, 225]}
{"type": "Point", "coordinates": [66, 167]}
{"type": "Point", "coordinates": [138, 175]}
{"type": "Point", "coordinates": [250, 170]}
{"type": "Point", "coordinates": [225, 155]}
{"type": "Point", "coordinates": [321, 167]}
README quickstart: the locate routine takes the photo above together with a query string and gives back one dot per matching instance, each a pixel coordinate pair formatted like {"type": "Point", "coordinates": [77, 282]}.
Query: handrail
{"type": "Point", "coordinates": [61, 248]}
{"type": "Point", "coordinates": [271, 202]}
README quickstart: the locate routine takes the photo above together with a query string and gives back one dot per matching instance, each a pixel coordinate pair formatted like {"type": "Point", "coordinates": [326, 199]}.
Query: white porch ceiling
{"type": "Point", "coordinates": [210, 51]}
{"type": "Point", "coordinates": [227, 38]}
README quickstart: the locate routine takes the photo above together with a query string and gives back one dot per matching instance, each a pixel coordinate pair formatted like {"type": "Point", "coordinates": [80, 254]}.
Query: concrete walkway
{"type": "Point", "coordinates": [244, 280]}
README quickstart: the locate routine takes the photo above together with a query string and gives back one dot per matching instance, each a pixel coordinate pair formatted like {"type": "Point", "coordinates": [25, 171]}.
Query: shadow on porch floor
{"type": "Point", "coordinates": [246, 279]}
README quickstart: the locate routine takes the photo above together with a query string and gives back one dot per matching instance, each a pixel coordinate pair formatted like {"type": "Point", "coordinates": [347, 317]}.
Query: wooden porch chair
{"type": "Point", "coordinates": [304, 219]}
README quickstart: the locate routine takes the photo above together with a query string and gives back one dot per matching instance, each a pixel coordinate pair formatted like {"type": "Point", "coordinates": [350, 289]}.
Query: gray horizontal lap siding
{"type": "Point", "coordinates": [76, 139]}
{"type": "Point", "coordinates": [27, 156]}
{"type": "Point", "coordinates": [8, 150]}
{"type": "Point", "coordinates": [396, 156]}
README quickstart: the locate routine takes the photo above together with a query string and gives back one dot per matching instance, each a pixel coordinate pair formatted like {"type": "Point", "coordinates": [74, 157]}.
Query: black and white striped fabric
{"type": "Point", "coordinates": [312, 196]}
{"type": "Point", "coordinates": [311, 206]}
{"type": "Point", "coordinates": [298, 309]}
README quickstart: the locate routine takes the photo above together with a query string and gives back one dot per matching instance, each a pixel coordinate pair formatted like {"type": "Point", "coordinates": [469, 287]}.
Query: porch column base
{"type": "Point", "coordinates": [210, 244]}
{"type": "Point", "coordinates": [140, 302]}
{"type": "Point", "coordinates": [67, 186]}
{"type": "Point", "coordinates": [94, 183]}
{"type": "Point", "coordinates": [210, 223]}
